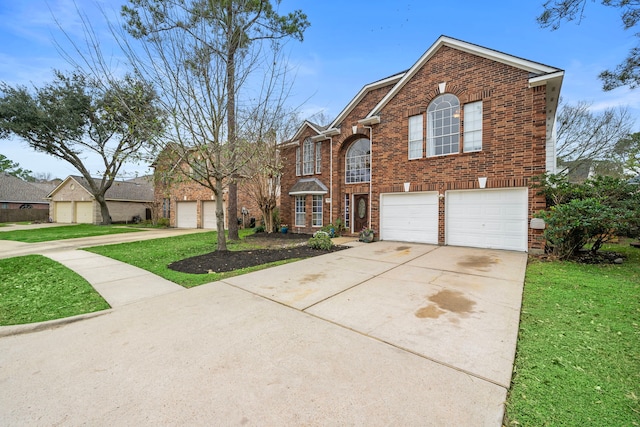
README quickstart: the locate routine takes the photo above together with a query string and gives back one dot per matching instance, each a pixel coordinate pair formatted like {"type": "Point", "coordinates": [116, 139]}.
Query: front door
{"type": "Point", "coordinates": [360, 212]}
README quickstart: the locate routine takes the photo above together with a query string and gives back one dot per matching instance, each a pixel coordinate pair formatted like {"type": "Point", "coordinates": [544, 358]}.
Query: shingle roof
{"type": "Point", "coordinates": [15, 190]}
{"type": "Point", "coordinates": [123, 190]}
{"type": "Point", "coordinates": [308, 186]}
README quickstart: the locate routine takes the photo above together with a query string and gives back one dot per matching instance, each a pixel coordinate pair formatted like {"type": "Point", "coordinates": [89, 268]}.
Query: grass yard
{"type": "Point", "coordinates": [34, 288]}
{"type": "Point", "coordinates": [38, 235]}
{"type": "Point", "coordinates": [156, 254]}
{"type": "Point", "coordinates": [578, 356]}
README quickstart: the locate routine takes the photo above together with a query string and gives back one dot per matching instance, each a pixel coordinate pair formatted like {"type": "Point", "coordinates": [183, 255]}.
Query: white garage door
{"type": "Point", "coordinates": [84, 212]}
{"type": "Point", "coordinates": [186, 215]}
{"type": "Point", "coordinates": [63, 212]}
{"type": "Point", "coordinates": [487, 218]}
{"type": "Point", "coordinates": [409, 217]}
{"type": "Point", "coordinates": [209, 215]}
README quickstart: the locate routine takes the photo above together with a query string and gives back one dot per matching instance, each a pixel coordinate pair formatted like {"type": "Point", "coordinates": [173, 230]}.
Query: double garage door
{"type": "Point", "coordinates": [488, 218]}
{"type": "Point", "coordinates": [83, 212]}
{"type": "Point", "coordinates": [187, 215]}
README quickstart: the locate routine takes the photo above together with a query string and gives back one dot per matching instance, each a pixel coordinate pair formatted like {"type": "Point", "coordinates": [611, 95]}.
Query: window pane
{"type": "Point", "coordinates": [318, 156]}
{"type": "Point", "coordinates": [358, 161]}
{"type": "Point", "coordinates": [415, 136]}
{"type": "Point", "coordinates": [300, 211]}
{"type": "Point", "coordinates": [444, 125]}
{"type": "Point", "coordinates": [473, 126]}
{"type": "Point", "coordinates": [317, 211]}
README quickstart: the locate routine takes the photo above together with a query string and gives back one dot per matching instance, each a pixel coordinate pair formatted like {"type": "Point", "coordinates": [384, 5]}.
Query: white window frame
{"type": "Point", "coordinates": [308, 157]}
{"type": "Point", "coordinates": [316, 214]}
{"type": "Point", "coordinates": [298, 161]}
{"type": "Point", "coordinates": [358, 164]}
{"type": "Point", "coordinates": [472, 137]}
{"type": "Point", "coordinates": [443, 125]}
{"type": "Point", "coordinates": [301, 211]}
{"type": "Point", "coordinates": [318, 157]}
{"type": "Point", "coordinates": [416, 136]}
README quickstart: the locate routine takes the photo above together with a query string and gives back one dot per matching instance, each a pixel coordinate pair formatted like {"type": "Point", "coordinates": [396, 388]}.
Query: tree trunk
{"type": "Point", "coordinates": [104, 210]}
{"type": "Point", "coordinates": [222, 242]}
{"type": "Point", "coordinates": [232, 203]}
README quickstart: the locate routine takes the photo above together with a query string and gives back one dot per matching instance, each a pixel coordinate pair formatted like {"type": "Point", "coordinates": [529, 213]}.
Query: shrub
{"type": "Point", "coordinates": [259, 229]}
{"type": "Point", "coordinates": [590, 213]}
{"type": "Point", "coordinates": [320, 240]}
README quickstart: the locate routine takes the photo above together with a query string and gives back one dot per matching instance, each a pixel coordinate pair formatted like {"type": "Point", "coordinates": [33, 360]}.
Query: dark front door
{"type": "Point", "coordinates": [360, 212]}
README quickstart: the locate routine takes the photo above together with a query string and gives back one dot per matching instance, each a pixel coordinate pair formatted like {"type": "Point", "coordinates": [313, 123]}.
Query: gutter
{"type": "Point", "coordinates": [329, 134]}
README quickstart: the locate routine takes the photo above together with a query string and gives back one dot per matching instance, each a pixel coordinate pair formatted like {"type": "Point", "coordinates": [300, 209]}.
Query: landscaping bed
{"type": "Point", "coordinates": [278, 246]}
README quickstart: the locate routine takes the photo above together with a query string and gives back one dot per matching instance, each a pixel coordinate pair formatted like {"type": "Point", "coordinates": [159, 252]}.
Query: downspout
{"type": "Point", "coordinates": [370, 171]}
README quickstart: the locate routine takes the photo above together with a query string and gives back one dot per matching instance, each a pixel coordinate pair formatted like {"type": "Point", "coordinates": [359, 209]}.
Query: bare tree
{"type": "Point", "coordinates": [584, 135]}
{"type": "Point", "coordinates": [263, 171]}
{"type": "Point", "coordinates": [205, 56]}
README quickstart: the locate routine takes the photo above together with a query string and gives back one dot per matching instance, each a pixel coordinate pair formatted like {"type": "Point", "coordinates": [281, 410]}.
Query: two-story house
{"type": "Point", "coordinates": [442, 153]}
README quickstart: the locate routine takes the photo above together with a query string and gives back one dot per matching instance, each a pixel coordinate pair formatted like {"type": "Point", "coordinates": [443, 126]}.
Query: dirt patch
{"type": "Point", "coordinates": [277, 246]}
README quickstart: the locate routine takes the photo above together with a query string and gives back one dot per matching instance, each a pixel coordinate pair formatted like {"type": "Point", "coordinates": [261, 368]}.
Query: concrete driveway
{"type": "Point", "coordinates": [379, 334]}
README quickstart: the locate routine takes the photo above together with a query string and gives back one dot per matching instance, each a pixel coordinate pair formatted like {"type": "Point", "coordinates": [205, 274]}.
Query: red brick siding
{"type": "Point", "coordinates": [513, 137]}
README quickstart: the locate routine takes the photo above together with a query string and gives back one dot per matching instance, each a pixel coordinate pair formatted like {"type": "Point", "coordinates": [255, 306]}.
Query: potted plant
{"type": "Point", "coordinates": [284, 228]}
{"type": "Point", "coordinates": [366, 235]}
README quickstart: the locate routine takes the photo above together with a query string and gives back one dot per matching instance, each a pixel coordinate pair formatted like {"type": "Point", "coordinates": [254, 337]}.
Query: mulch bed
{"type": "Point", "coordinates": [279, 247]}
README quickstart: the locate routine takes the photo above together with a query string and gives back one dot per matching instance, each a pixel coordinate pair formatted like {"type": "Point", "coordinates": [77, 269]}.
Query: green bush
{"type": "Point", "coordinates": [590, 213]}
{"type": "Point", "coordinates": [320, 240]}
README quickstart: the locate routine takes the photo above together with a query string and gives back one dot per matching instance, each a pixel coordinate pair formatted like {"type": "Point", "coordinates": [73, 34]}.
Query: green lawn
{"type": "Point", "coordinates": [34, 288]}
{"type": "Point", "coordinates": [155, 255]}
{"type": "Point", "coordinates": [578, 357]}
{"type": "Point", "coordinates": [37, 235]}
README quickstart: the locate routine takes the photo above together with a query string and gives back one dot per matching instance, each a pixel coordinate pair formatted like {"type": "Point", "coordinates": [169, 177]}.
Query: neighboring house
{"type": "Point", "coordinates": [187, 204]}
{"type": "Point", "coordinates": [72, 201]}
{"type": "Point", "coordinates": [442, 153]}
{"type": "Point", "coordinates": [23, 201]}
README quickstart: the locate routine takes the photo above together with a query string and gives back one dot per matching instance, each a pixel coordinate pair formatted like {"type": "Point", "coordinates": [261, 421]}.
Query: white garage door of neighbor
{"type": "Point", "coordinates": [63, 212]}
{"type": "Point", "coordinates": [186, 215]}
{"type": "Point", "coordinates": [409, 217]}
{"type": "Point", "coordinates": [209, 215]}
{"type": "Point", "coordinates": [84, 212]}
{"type": "Point", "coordinates": [487, 218]}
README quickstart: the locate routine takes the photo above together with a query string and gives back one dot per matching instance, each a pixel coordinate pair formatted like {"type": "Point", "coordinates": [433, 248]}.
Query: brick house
{"type": "Point", "coordinates": [72, 201]}
{"type": "Point", "coordinates": [442, 153]}
{"type": "Point", "coordinates": [187, 204]}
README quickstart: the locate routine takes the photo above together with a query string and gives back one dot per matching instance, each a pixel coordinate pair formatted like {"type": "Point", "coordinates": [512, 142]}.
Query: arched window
{"type": "Point", "coordinates": [358, 162]}
{"type": "Point", "coordinates": [443, 115]}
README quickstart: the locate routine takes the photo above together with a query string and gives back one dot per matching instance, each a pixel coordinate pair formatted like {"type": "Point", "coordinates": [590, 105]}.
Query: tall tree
{"type": "Point", "coordinates": [14, 169]}
{"type": "Point", "coordinates": [627, 152]}
{"type": "Point", "coordinates": [76, 114]}
{"type": "Point", "coordinates": [585, 136]}
{"type": "Point", "coordinates": [627, 73]}
{"type": "Point", "coordinates": [204, 53]}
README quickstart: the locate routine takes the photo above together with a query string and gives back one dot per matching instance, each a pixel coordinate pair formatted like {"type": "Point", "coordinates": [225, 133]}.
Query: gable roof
{"type": "Point", "coordinates": [130, 191]}
{"type": "Point", "coordinates": [295, 139]}
{"type": "Point", "coordinates": [362, 93]}
{"type": "Point", "coordinates": [541, 74]}
{"type": "Point", "coordinates": [15, 190]}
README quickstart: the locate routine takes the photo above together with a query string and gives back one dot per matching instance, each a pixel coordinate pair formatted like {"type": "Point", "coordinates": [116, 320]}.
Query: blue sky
{"type": "Point", "coordinates": [350, 43]}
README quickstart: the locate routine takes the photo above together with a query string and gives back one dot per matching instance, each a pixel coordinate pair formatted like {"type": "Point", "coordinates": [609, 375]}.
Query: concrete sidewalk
{"type": "Point", "coordinates": [380, 334]}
